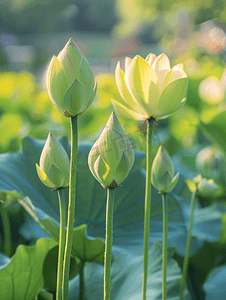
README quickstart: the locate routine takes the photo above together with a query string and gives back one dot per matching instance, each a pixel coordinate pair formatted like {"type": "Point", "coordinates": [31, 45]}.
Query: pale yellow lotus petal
{"type": "Point", "coordinates": [179, 67]}
{"type": "Point", "coordinates": [43, 177]}
{"type": "Point", "coordinates": [75, 55]}
{"type": "Point", "coordinates": [122, 170]}
{"type": "Point", "coordinates": [57, 177]}
{"type": "Point", "coordinates": [150, 58]}
{"type": "Point", "coordinates": [103, 171]}
{"type": "Point", "coordinates": [93, 155]}
{"type": "Point", "coordinates": [110, 146]}
{"type": "Point", "coordinates": [67, 66]}
{"type": "Point", "coordinates": [172, 98]}
{"type": "Point", "coordinates": [175, 73]}
{"type": "Point", "coordinates": [129, 102]}
{"type": "Point", "coordinates": [127, 62]}
{"type": "Point", "coordinates": [161, 66]}
{"type": "Point", "coordinates": [139, 78]}
{"type": "Point", "coordinates": [56, 83]}
{"type": "Point", "coordinates": [127, 113]}
{"type": "Point", "coordinates": [153, 98]}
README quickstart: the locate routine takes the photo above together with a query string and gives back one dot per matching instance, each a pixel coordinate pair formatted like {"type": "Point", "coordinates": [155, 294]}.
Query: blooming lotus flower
{"type": "Point", "coordinates": [112, 156]}
{"type": "Point", "coordinates": [54, 164]}
{"type": "Point", "coordinates": [70, 81]}
{"type": "Point", "coordinates": [162, 172]}
{"type": "Point", "coordinates": [150, 87]}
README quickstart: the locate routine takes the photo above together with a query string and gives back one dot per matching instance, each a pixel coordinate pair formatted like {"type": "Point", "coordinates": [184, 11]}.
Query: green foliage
{"type": "Point", "coordinates": [22, 276]}
{"type": "Point", "coordinates": [215, 130]}
{"type": "Point", "coordinates": [127, 270]}
{"type": "Point", "coordinates": [50, 269]}
{"type": "Point", "coordinates": [42, 205]}
{"type": "Point", "coordinates": [215, 284]}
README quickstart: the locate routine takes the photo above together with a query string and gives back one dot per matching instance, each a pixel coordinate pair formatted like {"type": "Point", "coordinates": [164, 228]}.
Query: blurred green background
{"type": "Point", "coordinates": [31, 32]}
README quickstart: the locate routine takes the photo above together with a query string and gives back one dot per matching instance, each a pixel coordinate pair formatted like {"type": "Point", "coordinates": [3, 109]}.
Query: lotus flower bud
{"type": "Point", "coordinates": [112, 156]}
{"type": "Point", "coordinates": [162, 172]}
{"type": "Point", "coordinates": [149, 87]}
{"type": "Point", "coordinates": [206, 188]}
{"type": "Point", "coordinates": [70, 81]}
{"type": "Point", "coordinates": [53, 168]}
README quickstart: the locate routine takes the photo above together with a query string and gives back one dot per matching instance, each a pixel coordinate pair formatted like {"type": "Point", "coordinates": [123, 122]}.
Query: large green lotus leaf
{"type": "Point", "coordinates": [207, 224]}
{"type": "Point", "coordinates": [87, 249]}
{"type": "Point", "coordinates": [21, 277]}
{"type": "Point", "coordinates": [214, 286]}
{"type": "Point", "coordinates": [83, 247]}
{"type": "Point", "coordinates": [18, 173]}
{"type": "Point", "coordinates": [215, 130]}
{"type": "Point", "coordinates": [31, 230]}
{"type": "Point", "coordinates": [127, 277]}
{"type": "Point", "coordinates": [50, 269]}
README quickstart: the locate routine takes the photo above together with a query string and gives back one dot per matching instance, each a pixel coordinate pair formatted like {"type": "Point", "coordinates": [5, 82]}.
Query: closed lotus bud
{"type": "Point", "coordinates": [162, 172]}
{"type": "Point", "coordinates": [53, 168]}
{"type": "Point", "coordinates": [112, 156]}
{"type": "Point", "coordinates": [206, 188]}
{"type": "Point", "coordinates": [150, 87]}
{"type": "Point", "coordinates": [70, 81]}
{"type": "Point", "coordinates": [208, 162]}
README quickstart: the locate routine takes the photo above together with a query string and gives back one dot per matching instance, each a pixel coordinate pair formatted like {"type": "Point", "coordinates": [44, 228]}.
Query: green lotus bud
{"type": "Point", "coordinates": [112, 156]}
{"type": "Point", "coordinates": [149, 87]}
{"type": "Point", "coordinates": [206, 188]}
{"type": "Point", "coordinates": [53, 168]}
{"type": "Point", "coordinates": [70, 81]}
{"type": "Point", "coordinates": [208, 162]}
{"type": "Point", "coordinates": [162, 172]}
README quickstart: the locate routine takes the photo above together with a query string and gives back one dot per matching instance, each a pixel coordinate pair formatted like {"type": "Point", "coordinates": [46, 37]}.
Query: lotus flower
{"type": "Point", "coordinates": [54, 164]}
{"type": "Point", "coordinates": [162, 172]}
{"type": "Point", "coordinates": [206, 187]}
{"type": "Point", "coordinates": [112, 156]}
{"type": "Point", "coordinates": [149, 87]}
{"type": "Point", "coordinates": [70, 81]}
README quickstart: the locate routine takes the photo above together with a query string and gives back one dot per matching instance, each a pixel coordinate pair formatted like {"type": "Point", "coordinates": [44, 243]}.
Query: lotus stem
{"type": "Point", "coordinates": [71, 205]}
{"type": "Point", "coordinates": [164, 248]}
{"type": "Point", "coordinates": [81, 281]}
{"type": "Point", "coordinates": [108, 242]}
{"type": "Point", "coordinates": [147, 212]}
{"type": "Point", "coordinates": [6, 229]}
{"type": "Point", "coordinates": [62, 236]}
{"type": "Point", "coordinates": [188, 245]}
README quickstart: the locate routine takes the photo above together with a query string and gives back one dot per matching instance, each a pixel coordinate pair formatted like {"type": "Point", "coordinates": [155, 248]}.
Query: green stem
{"type": "Point", "coordinates": [147, 212]}
{"type": "Point", "coordinates": [188, 245]}
{"type": "Point", "coordinates": [164, 248]}
{"type": "Point", "coordinates": [6, 230]}
{"type": "Point", "coordinates": [71, 205]}
{"type": "Point", "coordinates": [62, 236]}
{"type": "Point", "coordinates": [108, 242]}
{"type": "Point", "coordinates": [81, 281]}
